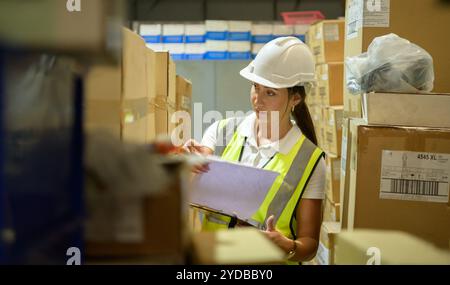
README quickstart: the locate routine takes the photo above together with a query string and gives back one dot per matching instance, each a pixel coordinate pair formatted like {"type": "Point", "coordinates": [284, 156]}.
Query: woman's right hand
{"type": "Point", "coordinates": [193, 147]}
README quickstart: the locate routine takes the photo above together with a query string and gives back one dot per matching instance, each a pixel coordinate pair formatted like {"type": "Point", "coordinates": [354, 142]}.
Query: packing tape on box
{"type": "Point", "coordinates": [134, 110]}
{"type": "Point", "coordinates": [158, 102]}
{"type": "Point", "coordinates": [171, 105]}
{"type": "Point", "coordinates": [103, 112]}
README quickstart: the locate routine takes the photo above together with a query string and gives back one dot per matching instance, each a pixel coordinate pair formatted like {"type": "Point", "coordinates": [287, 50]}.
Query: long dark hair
{"type": "Point", "coordinates": [301, 114]}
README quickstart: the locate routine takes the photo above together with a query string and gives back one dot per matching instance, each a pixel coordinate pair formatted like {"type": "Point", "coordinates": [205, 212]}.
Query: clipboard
{"type": "Point", "coordinates": [232, 190]}
{"type": "Point", "coordinates": [234, 219]}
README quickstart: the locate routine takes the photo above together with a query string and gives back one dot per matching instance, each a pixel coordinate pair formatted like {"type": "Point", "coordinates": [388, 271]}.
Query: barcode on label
{"type": "Point", "coordinates": [414, 190]}
{"type": "Point", "coordinates": [415, 187]}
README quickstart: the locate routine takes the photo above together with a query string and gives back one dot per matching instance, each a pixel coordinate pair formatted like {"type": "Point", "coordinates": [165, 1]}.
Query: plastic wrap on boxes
{"type": "Point", "coordinates": [391, 64]}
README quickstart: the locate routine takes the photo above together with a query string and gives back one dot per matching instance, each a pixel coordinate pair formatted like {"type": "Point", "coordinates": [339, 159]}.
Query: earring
{"type": "Point", "coordinates": [293, 107]}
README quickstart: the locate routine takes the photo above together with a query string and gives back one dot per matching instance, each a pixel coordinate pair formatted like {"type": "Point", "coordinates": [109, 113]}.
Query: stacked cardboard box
{"type": "Point", "coordinates": [398, 180]}
{"type": "Point", "coordinates": [381, 150]}
{"type": "Point", "coordinates": [149, 229]}
{"type": "Point", "coordinates": [326, 40]}
{"type": "Point", "coordinates": [116, 96]}
{"type": "Point", "coordinates": [242, 246]}
{"type": "Point", "coordinates": [365, 22]}
{"type": "Point", "coordinates": [385, 247]}
{"type": "Point", "coordinates": [134, 102]}
{"type": "Point", "coordinates": [326, 251]}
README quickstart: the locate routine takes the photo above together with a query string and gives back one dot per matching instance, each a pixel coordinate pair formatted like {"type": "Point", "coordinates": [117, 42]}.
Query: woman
{"type": "Point", "coordinates": [291, 212]}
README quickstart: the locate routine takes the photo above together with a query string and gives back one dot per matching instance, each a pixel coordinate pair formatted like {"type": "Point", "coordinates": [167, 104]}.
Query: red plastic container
{"type": "Point", "coordinates": [303, 17]}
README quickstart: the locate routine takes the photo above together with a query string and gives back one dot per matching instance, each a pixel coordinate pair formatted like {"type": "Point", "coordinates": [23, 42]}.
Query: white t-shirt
{"type": "Point", "coordinates": [258, 156]}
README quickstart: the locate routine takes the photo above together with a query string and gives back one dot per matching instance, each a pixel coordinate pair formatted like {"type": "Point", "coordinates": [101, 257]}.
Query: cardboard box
{"type": "Point", "coordinates": [312, 95]}
{"type": "Point", "coordinates": [183, 94]}
{"type": "Point", "coordinates": [415, 110]}
{"type": "Point", "coordinates": [116, 97]}
{"type": "Point", "coordinates": [362, 26]}
{"type": "Point", "coordinates": [374, 247]}
{"type": "Point", "coordinates": [352, 104]}
{"type": "Point", "coordinates": [165, 90]}
{"type": "Point", "coordinates": [328, 41]}
{"type": "Point", "coordinates": [333, 177]}
{"type": "Point", "coordinates": [150, 58]}
{"type": "Point", "coordinates": [124, 225]}
{"type": "Point", "coordinates": [330, 79]}
{"type": "Point", "coordinates": [326, 251]}
{"type": "Point", "coordinates": [310, 36]}
{"type": "Point", "coordinates": [394, 18]}
{"type": "Point", "coordinates": [235, 247]}
{"type": "Point", "coordinates": [331, 211]}
{"type": "Point", "coordinates": [345, 166]}
{"type": "Point", "coordinates": [400, 181]}
{"type": "Point", "coordinates": [194, 221]}
{"type": "Point", "coordinates": [172, 94]}
{"type": "Point", "coordinates": [93, 27]}
{"type": "Point", "coordinates": [184, 112]}
{"type": "Point", "coordinates": [333, 129]}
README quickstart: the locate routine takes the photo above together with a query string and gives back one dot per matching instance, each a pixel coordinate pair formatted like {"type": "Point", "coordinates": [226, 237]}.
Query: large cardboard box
{"type": "Point", "coordinates": [415, 110]}
{"type": "Point", "coordinates": [241, 246]}
{"type": "Point", "coordinates": [345, 167]}
{"type": "Point", "coordinates": [326, 251]}
{"type": "Point", "coordinates": [184, 94]}
{"type": "Point", "coordinates": [328, 41]}
{"type": "Point", "coordinates": [375, 247]}
{"type": "Point", "coordinates": [365, 21]}
{"type": "Point", "coordinates": [171, 95]}
{"type": "Point", "coordinates": [150, 58]}
{"type": "Point", "coordinates": [330, 83]}
{"type": "Point", "coordinates": [333, 177]}
{"type": "Point", "coordinates": [164, 103]}
{"type": "Point", "coordinates": [116, 97]}
{"type": "Point", "coordinates": [400, 181]}
{"type": "Point", "coordinates": [154, 226]}
{"type": "Point", "coordinates": [333, 129]}
{"type": "Point", "coordinates": [93, 27]}
{"type": "Point", "coordinates": [181, 120]}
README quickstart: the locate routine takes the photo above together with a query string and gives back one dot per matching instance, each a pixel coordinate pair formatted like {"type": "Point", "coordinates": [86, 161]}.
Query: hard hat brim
{"type": "Point", "coordinates": [245, 72]}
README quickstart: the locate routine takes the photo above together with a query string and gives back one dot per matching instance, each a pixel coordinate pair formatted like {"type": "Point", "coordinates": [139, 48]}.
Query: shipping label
{"type": "Point", "coordinates": [376, 13]}
{"type": "Point", "coordinates": [415, 176]}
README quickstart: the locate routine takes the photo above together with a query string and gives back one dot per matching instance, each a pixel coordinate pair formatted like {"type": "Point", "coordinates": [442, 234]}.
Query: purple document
{"type": "Point", "coordinates": [231, 188]}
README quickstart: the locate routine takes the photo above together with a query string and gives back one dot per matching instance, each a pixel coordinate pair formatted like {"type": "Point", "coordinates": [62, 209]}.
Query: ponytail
{"type": "Point", "coordinates": [301, 114]}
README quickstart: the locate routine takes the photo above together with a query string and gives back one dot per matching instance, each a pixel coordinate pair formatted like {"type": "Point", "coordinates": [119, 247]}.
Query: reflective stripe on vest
{"type": "Point", "coordinates": [225, 131]}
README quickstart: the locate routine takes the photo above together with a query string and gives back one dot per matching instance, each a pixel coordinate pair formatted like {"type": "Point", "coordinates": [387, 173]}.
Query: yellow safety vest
{"type": "Point", "coordinates": [294, 168]}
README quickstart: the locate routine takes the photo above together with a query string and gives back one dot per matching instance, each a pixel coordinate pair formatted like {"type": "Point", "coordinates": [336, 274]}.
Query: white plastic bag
{"type": "Point", "coordinates": [391, 64]}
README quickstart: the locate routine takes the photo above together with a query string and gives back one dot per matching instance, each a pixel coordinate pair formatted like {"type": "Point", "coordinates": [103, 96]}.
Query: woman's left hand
{"type": "Point", "coordinates": [279, 239]}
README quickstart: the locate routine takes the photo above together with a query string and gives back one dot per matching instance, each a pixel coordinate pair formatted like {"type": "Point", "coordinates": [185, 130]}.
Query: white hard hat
{"type": "Point", "coordinates": [282, 63]}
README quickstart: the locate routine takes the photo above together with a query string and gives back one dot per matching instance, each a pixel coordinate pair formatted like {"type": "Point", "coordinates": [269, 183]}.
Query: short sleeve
{"type": "Point", "coordinates": [316, 185]}
{"type": "Point", "coordinates": [210, 137]}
